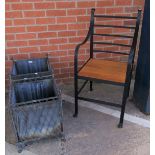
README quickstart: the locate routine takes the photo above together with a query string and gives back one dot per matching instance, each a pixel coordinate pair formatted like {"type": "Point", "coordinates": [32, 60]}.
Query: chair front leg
{"type": "Point", "coordinates": [76, 95]}
{"type": "Point", "coordinates": [125, 96]}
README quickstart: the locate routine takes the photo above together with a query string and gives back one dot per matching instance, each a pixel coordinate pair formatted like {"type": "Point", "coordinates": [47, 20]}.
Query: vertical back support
{"type": "Point", "coordinates": [134, 42]}
{"type": "Point", "coordinates": [129, 70]}
{"type": "Point", "coordinates": [91, 32]}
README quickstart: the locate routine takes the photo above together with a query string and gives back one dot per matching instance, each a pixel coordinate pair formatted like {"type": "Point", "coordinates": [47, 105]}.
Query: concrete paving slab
{"type": "Point", "coordinates": [11, 150]}
{"type": "Point", "coordinates": [93, 133]}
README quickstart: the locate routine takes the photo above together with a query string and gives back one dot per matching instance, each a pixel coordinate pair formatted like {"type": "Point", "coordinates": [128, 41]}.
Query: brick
{"type": "Point", "coordinates": [65, 4]}
{"type": "Point", "coordinates": [25, 36]}
{"type": "Point", "coordinates": [58, 41]}
{"type": "Point", "coordinates": [76, 26]}
{"type": "Point", "coordinates": [114, 10]}
{"type": "Point", "coordinates": [38, 42]}
{"type": "Point", "coordinates": [34, 13]}
{"type": "Point", "coordinates": [14, 29]}
{"type": "Point", "coordinates": [124, 49]}
{"type": "Point", "coordinates": [32, 0]}
{"type": "Point", "coordinates": [126, 2]}
{"type": "Point", "coordinates": [112, 48]}
{"type": "Point", "coordinates": [56, 13]}
{"type": "Point", "coordinates": [47, 34]}
{"type": "Point", "coordinates": [22, 6]}
{"type": "Point", "coordinates": [28, 49]}
{"type": "Point", "coordinates": [45, 21]}
{"type": "Point", "coordinates": [82, 32]}
{"type": "Point", "coordinates": [130, 22]}
{"type": "Point", "coordinates": [121, 30]}
{"type": "Point", "coordinates": [48, 48]}
{"type": "Point", "coordinates": [54, 59]}
{"type": "Point", "coordinates": [105, 3]}
{"type": "Point", "coordinates": [104, 30]}
{"type": "Point", "coordinates": [24, 21]}
{"type": "Point", "coordinates": [13, 14]}
{"type": "Point", "coordinates": [138, 2]}
{"type": "Point", "coordinates": [67, 70]}
{"type": "Point", "coordinates": [83, 18]}
{"type": "Point", "coordinates": [57, 71]}
{"type": "Point", "coordinates": [67, 46]}
{"type": "Point", "coordinates": [67, 58]}
{"type": "Point", "coordinates": [36, 28]}
{"type": "Point", "coordinates": [76, 39]}
{"type": "Point", "coordinates": [58, 53]}
{"type": "Point", "coordinates": [7, 7]}
{"type": "Point", "coordinates": [11, 51]}
{"type": "Point", "coordinates": [100, 10]}
{"type": "Point", "coordinates": [57, 27]}
{"type": "Point", "coordinates": [114, 22]}
{"type": "Point", "coordinates": [76, 12]}
{"type": "Point", "coordinates": [121, 41]}
{"type": "Point", "coordinates": [60, 65]}
{"type": "Point", "coordinates": [66, 33]}
{"type": "Point", "coordinates": [38, 55]}
{"type": "Point", "coordinates": [103, 55]}
{"type": "Point", "coordinates": [20, 56]}
{"type": "Point", "coordinates": [8, 22]}
{"type": "Point", "coordinates": [66, 19]}
{"type": "Point", "coordinates": [85, 4]}
{"type": "Point", "coordinates": [44, 5]}
{"type": "Point", "coordinates": [64, 75]}
{"type": "Point", "coordinates": [9, 36]}
{"type": "Point", "coordinates": [16, 43]}
{"type": "Point", "coordinates": [131, 9]}
{"type": "Point", "coordinates": [8, 64]}
{"type": "Point", "coordinates": [12, 1]}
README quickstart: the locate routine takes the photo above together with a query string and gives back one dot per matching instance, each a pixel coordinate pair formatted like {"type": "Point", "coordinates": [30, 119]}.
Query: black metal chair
{"type": "Point", "coordinates": [110, 72]}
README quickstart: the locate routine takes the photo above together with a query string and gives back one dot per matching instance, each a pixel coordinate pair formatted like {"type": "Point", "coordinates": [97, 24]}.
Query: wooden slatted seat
{"type": "Point", "coordinates": [104, 70]}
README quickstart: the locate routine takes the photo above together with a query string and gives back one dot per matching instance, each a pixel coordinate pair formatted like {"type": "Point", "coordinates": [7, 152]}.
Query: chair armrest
{"type": "Point", "coordinates": [77, 49]}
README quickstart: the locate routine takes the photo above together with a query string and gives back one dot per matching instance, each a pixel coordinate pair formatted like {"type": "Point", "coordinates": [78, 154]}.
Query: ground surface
{"type": "Point", "coordinates": [93, 132]}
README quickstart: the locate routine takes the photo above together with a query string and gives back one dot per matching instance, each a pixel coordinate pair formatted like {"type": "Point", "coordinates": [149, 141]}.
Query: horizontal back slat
{"type": "Point", "coordinates": [106, 16]}
{"type": "Point", "coordinates": [113, 35]}
{"type": "Point", "coordinates": [109, 43]}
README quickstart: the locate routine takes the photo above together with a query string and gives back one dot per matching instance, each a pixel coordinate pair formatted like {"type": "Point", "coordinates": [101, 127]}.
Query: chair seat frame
{"type": "Point", "coordinates": [130, 62]}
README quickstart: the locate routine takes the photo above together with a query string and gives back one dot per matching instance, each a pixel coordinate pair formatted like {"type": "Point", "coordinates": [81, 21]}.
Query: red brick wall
{"type": "Point", "coordinates": [37, 27]}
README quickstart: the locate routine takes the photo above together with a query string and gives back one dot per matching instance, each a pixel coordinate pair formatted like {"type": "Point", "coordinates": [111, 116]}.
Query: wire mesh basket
{"type": "Point", "coordinates": [36, 109]}
{"type": "Point", "coordinates": [30, 68]}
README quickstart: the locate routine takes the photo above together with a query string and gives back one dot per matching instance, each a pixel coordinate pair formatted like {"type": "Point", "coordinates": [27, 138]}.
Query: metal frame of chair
{"type": "Point", "coordinates": [130, 62]}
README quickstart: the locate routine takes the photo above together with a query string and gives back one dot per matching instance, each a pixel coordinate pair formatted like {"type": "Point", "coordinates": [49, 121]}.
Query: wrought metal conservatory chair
{"type": "Point", "coordinates": [106, 71]}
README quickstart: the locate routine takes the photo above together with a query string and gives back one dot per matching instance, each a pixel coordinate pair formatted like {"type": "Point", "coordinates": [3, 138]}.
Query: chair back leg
{"type": "Point", "coordinates": [91, 85]}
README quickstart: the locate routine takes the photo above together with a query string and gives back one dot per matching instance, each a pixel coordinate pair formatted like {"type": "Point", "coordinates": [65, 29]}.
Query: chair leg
{"type": "Point", "coordinates": [129, 88]}
{"type": "Point", "coordinates": [76, 96]}
{"type": "Point", "coordinates": [125, 96]}
{"type": "Point", "coordinates": [91, 85]}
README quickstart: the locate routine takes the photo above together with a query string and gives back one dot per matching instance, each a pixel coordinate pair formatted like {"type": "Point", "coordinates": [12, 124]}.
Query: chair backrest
{"type": "Point", "coordinates": [132, 46]}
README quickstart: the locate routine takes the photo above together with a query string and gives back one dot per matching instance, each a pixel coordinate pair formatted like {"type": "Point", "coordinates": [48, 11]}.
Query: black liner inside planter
{"type": "Point", "coordinates": [36, 109]}
{"type": "Point", "coordinates": [33, 90]}
{"type": "Point", "coordinates": [30, 68]}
